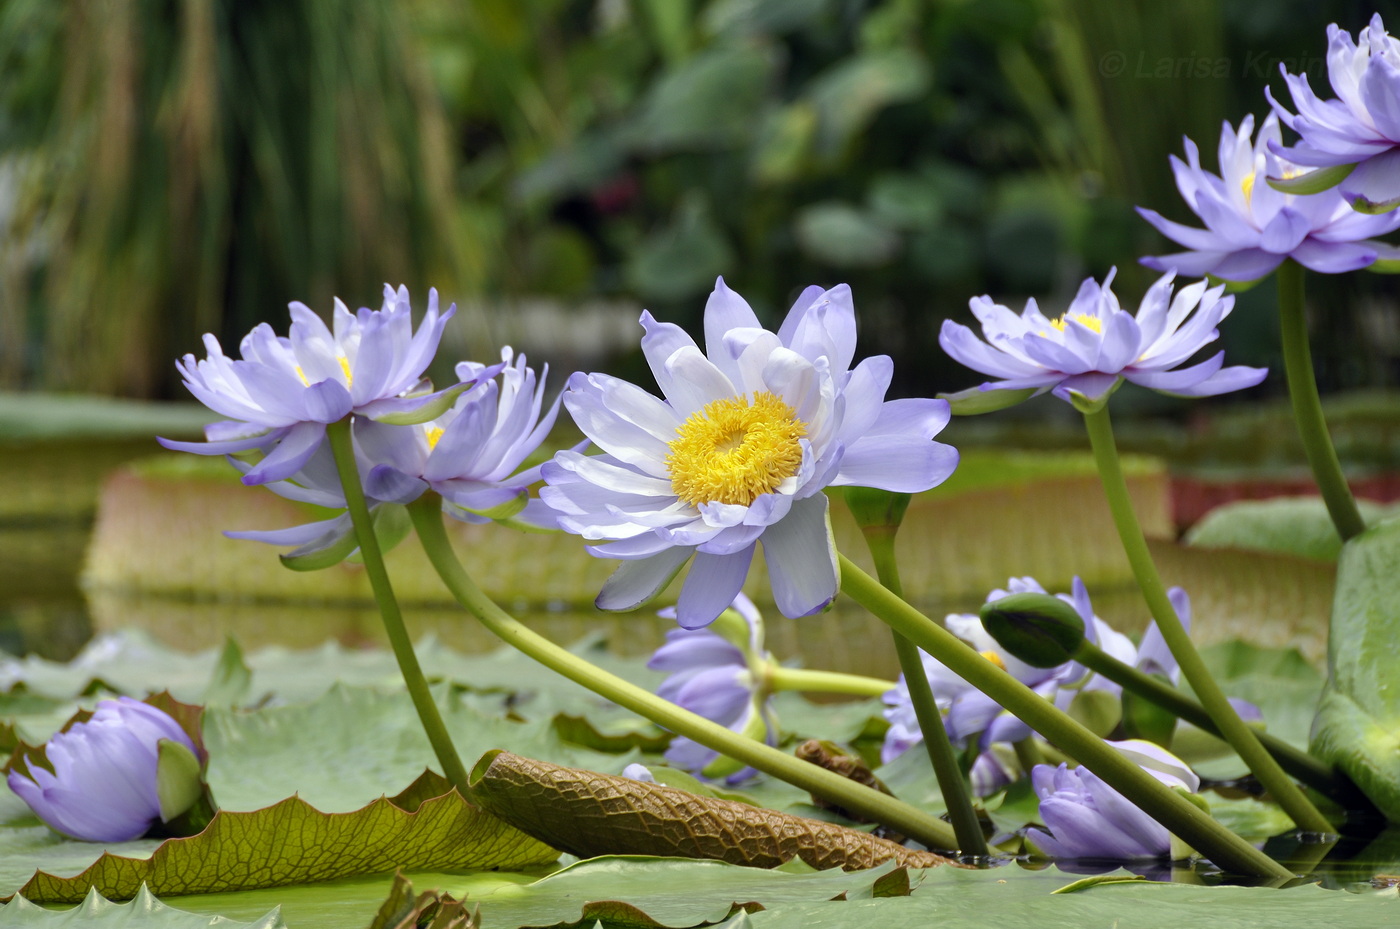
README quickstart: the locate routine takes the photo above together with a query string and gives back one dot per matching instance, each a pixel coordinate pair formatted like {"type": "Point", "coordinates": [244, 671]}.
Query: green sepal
{"type": "Point", "coordinates": [178, 782]}
{"type": "Point", "coordinates": [391, 526]}
{"type": "Point", "coordinates": [1312, 182]}
{"type": "Point", "coordinates": [876, 509]}
{"type": "Point", "coordinates": [1180, 850]}
{"type": "Point", "coordinates": [975, 401]}
{"type": "Point", "coordinates": [1099, 711]}
{"type": "Point", "coordinates": [1085, 405]}
{"type": "Point", "coordinates": [1143, 719]}
{"type": "Point", "coordinates": [429, 411]}
{"type": "Point", "coordinates": [1039, 629]}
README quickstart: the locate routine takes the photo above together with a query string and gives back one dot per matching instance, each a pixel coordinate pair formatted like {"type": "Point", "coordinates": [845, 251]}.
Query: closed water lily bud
{"type": "Point", "coordinates": [1041, 630]}
{"type": "Point", "coordinates": [101, 782]}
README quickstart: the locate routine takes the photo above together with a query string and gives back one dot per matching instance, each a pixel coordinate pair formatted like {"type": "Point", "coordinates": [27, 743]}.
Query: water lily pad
{"type": "Point", "coordinates": [143, 910]}
{"type": "Point", "coordinates": [650, 892]}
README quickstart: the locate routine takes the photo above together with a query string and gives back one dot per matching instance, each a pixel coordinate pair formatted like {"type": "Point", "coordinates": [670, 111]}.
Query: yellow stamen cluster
{"type": "Point", "coordinates": [994, 658]}
{"type": "Point", "coordinates": [735, 450]}
{"type": "Point", "coordinates": [433, 433]}
{"type": "Point", "coordinates": [1247, 185]}
{"type": "Point", "coordinates": [1084, 319]}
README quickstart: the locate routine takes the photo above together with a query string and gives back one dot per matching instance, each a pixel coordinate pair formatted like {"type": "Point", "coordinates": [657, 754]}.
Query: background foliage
{"type": "Point", "coordinates": [175, 166]}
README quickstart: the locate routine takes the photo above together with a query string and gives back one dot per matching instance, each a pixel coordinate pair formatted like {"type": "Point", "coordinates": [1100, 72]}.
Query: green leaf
{"type": "Point", "coordinates": [1290, 525]}
{"type": "Point", "coordinates": [341, 751]}
{"type": "Point", "coordinates": [1358, 721]}
{"type": "Point", "coordinates": [291, 843]}
{"type": "Point", "coordinates": [850, 94]}
{"type": "Point", "coordinates": [845, 236]}
{"type": "Point", "coordinates": [710, 101]}
{"type": "Point", "coordinates": [431, 910]}
{"type": "Point", "coordinates": [956, 898]}
{"type": "Point", "coordinates": [642, 892]}
{"type": "Point", "coordinates": [586, 813]}
{"type": "Point", "coordinates": [143, 910]}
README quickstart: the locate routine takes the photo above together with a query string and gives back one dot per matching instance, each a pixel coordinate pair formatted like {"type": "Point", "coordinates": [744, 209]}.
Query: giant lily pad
{"type": "Point", "coordinates": [143, 910]}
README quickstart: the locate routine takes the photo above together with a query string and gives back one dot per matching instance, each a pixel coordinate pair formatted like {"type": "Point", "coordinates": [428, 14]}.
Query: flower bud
{"type": "Point", "coordinates": [1041, 630]}
{"type": "Point", "coordinates": [874, 508]}
{"type": "Point", "coordinates": [98, 780]}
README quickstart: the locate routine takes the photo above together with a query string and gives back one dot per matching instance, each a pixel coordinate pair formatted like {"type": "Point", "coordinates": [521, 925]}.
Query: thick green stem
{"type": "Point", "coordinates": [826, 682]}
{"type": "Point", "coordinates": [884, 809]}
{"type": "Point", "coordinates": [1233, 729]}
{"type": "Point", "coordinates": [951, 783]}
{"type": "Point", "coordinates": [343, 451]}
{"type": "Point", "coordinates": [1307, 405]}
{"type": "Point", "coordinates": [1178, 814]}
{"type": "Point", "coordinates": [1321, 777]}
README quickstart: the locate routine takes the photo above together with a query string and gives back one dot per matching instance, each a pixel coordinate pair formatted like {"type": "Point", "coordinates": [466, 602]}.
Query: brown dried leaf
{"type": "Point", "coordinates": [590, 814]}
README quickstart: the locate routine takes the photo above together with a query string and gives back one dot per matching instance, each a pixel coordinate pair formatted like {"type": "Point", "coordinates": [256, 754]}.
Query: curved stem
{"type": "Point", "coordinates": [1233, 729]}
{"type": "Point", "coordinates": [427, 520]}
{"type": "Point", "coordinates": [1307, 405]}
{"type": "Point", "coordinates": [1317, 775]}
{"type": "Point", "coordinates": [951, 783]}
{"type": "Point", "coordinates": [826, 682]}
{"type": "Point", "coordinates": [1178, 814]}
{"type": "Point", "coordinates": [342, 449]}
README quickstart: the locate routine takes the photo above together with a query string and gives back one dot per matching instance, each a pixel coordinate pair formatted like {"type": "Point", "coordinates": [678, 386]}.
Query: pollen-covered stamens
{"type": "Point", "coordinates": [433, 433]}
{"type": "Point", "coordinates": [994, 658]}
{"type": "Point", "coordinates": [735, 450]}
{"type": "Point", "coordinates": [1247, 185]}
{"type": "Point", "coordinates": [1084, 319]}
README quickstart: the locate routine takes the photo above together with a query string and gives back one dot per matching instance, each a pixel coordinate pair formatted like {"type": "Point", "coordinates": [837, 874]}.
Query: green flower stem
{"type": "Point", "coordinates": [826, 682]}
{"type": "Point", "coordinates": [1233, 729]}
{"type": "Point", "coordinates": [956, 795]}
{"type": "Point", "coordinates": [1317, 775]}
{"type": "Point", "coordinates": [427, 520]}
{"type": "Point", "coordinates": [342, 450]}
{"type": "Point", "coordinates": [1307, 405]}
{"type": "Point", "coordinates": [1178, 814]}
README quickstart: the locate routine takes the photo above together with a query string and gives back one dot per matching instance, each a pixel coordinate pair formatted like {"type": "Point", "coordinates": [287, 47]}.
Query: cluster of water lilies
{"type": "Point", "coordinates": [747, 445]}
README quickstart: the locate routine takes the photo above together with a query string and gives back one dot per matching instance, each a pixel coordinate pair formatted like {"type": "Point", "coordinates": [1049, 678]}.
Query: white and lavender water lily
{"type": "Point", "coordinates": [1353, 139]}
{"type": "Point", "coordinates": [1088, 819]}
{"type": "Point", "coordinates": [470, 455]}
{"type": "Point", "coordinates": [283, 391]}
{"type": "Point", "coordinates": [750, 432]}
{"type": "Point", "coordinates": [1095, 345]}
{"type": "Point", "coordinates": [103, 784]}
{"type": "Point", "coordinates": [1251, 228]}
{"type": "Point", "coordinates": [718, 673]}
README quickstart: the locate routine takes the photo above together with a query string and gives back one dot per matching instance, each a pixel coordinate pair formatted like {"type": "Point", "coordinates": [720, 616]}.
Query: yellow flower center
{"type": "Point", "coordinates": [734, 450]}
{"type": "Point", "coordinates": [1083, 319]}
{"type": "Point", "coordinates": [433, 433]}
{"type": "Point", "coordinates": [994, 658]}
{"type": "Point", "coordinates": [344, 366]}
{"type": "Point", "coordinates": [1247, 185]}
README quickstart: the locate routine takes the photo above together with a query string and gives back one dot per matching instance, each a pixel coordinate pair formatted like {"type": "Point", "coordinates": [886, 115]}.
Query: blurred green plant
{"type": "Point", "coordinates": [180, 167]}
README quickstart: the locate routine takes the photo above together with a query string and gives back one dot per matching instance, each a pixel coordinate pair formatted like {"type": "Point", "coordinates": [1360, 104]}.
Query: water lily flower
{"type": "Point", "coordinates": [1088, 819]}
{"type": "Point", "coordinates": [1096, 345]}
{"type": "Point", "coordinates": [283, 391]}
{"type": "Point", "coordinates": [718, 673]}
{"type": "Point", "coordinates": [1251, 228]}
{"type": "Point", "coordinates": [102, 787]}
{"type": "Point", "coordinates": [750, 433]}
{"type": "Point", "coordinates": [471, 453]}
{"type": "Point", "coordinates": [1354, 139]}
